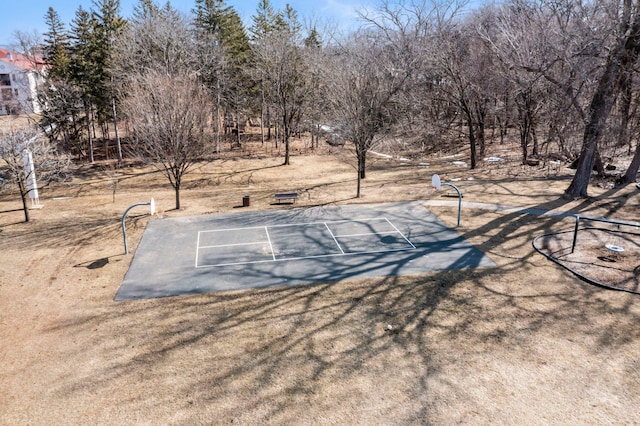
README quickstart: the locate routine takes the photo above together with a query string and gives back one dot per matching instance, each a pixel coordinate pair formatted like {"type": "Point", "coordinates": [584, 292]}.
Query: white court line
{"type": "Point", "coordinates": [266, 227]}
{"type": "Point", "coordinates": [394, 227]}
{"type": "Point", "coordinates": [273, 253]}
{"type": "Point", "coordinates": [236, 244]}
{"type": "Point", "coordinates": [198, 246]}
{"type": "Point", "coordinates": [324, 223]}
{"type": "Point", "coordinates": [369, 233]}
{"type": "Point", "coordinates": [305, 257]}
{"type": "Point", "coordinates": [233, 229]}
{"type": "Point", "coordinates": [291, 224]}
{"type": "Point", "coordinates": [197, 249]}
{"type": "Point", "coordinates": [334, 237]}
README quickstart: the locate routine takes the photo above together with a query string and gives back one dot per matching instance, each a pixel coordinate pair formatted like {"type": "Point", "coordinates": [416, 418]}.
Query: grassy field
{"type": "Point", "coordinates": [525, 342]}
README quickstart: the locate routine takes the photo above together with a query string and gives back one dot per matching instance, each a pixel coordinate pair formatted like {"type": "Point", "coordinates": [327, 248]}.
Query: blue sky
{"type": "Point", "coordinates": [28, 15]}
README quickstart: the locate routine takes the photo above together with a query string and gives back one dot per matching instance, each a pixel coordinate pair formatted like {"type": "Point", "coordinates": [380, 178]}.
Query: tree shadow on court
{"type": "Point", "coordinates": [324, 353]}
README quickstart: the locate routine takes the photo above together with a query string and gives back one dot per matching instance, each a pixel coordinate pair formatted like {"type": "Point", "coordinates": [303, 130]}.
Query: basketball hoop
{"type": "Point", "coordinates": [437, 184]}
{"type": "Point", "coordinates": [152, 208]}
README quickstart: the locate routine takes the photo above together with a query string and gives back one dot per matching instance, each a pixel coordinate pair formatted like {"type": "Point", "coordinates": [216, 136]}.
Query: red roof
{"type": "Point", "coordinates": [22, 61]}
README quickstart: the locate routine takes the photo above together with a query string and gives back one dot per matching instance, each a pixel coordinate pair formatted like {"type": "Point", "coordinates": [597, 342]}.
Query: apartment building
{"type": "Point", "coordinates": [19, 78]}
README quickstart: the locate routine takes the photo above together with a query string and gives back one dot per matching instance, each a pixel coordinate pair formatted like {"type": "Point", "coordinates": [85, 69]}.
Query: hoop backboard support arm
{"type": "Point", "coordinates": [152, 205]}
{"type": "Point", "coordinates": [437, 184]}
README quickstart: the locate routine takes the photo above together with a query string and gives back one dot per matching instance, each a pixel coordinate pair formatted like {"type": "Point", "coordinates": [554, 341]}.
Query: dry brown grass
{"type": "Point", "coordinates": [595, 257]}
{"type": "Point", "coordinates": [525, 342]}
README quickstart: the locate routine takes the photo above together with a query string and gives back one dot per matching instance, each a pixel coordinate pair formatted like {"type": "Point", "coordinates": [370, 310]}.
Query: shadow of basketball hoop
{"type": "Point", "coordinates": [97, 264]}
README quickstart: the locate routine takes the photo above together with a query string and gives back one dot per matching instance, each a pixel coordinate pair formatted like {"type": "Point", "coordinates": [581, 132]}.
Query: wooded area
{"type": "Point", "coordinates": [558, 75]}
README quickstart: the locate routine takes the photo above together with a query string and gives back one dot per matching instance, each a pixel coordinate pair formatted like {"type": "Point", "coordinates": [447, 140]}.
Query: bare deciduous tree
{"type": "Point", "coordinates": [48, 164]}
{"type": "Point", "coordinates": [583, 50]}
{"type": "Point", "coordinates": [362, 79]}
{"type": "Point", "coordinates": [622, 55]}
{"type": "Point", "coordinates": [283, 72]}
{"type": "Point", "coordinates": [170, 119]}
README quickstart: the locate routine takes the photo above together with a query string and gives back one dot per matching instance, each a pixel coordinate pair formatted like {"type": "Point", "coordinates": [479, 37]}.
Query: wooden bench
{"type": "Point", "coordinates": [286, 196]}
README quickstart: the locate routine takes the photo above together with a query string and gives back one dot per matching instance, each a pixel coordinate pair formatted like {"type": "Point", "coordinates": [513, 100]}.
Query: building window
{"type": "Point", "coordinates": [7, 94]}
{"type": "Point", "coordinates": [5, 80]}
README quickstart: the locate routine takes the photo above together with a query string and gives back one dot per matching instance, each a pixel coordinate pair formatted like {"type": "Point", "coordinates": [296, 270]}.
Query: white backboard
{"type": "Point", "coordinates": [435, 181]}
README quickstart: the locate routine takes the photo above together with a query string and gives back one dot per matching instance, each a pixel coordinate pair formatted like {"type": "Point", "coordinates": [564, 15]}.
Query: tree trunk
{"type": "Point", "coordinates": [580, 182]}
{"type": "Point", "coordinates": [276, 131]}
{"type": "Point", "coordinates": [93, 123]}
{"type": "Point", "coordinates": [536, 149]}
{"type": "Point", "coordinates": [472, 138]}
{"type": "Point", "coordinates": [262, 117]}
{"type": "Point", "coordinates": [87, 113]}
{"type": "Point", "coordinates": [361, 155]}
{"type": "Point", "coordinates": [23, 194]}
{"type": "Point", "coordinates": [238, 127]}
{"type": "Point", "coordinates": [480, 139]}
{"type": "Point", "coordinates": [480, 119]}
{"type": "Point", "coordinates": [286, 130]}
{"type": "Point", "coordinates": [598, 165]}
{"type": "Point", "coordinates": [269, 124]}
{"type": "Point", "coordinates": [522, 102]}
{"type": "Point", "coordinates": [621, 57]}
{"type": "Point", "coordinates": [625, 108]}
{"type": "Point", "coordinates": [524, 143]}
{"type": "Point", "coordinates": [115, 129]}
{"type": "Point", "coordinates": [632, 171]}
{"type": "Point", "coordinates": [286, 148]}
{"type": "Point", "coordinates": [359, 176]}
{"type": "Point", "coordinates": [177, 191]}
{"type": "Point", "coordinates": [219, 119]}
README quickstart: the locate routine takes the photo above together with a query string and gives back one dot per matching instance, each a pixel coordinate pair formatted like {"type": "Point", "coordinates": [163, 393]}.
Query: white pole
{"type": "Point", "coordinates": [30, 175]}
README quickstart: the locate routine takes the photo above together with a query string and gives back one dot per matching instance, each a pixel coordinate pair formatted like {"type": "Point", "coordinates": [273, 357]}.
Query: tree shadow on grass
{"type": "Point", "coordinates": [291, 354]}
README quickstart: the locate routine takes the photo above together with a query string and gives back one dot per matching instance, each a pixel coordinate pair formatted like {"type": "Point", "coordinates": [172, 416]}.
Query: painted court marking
{"type": "Point", "coordinates": [325, 244]}
{"type": "Point", "coordinates": [259, 245]}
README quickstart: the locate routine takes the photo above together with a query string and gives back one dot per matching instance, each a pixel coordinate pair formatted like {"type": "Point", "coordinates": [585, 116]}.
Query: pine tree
{"type": "Point", "coordinates": [313, 40]}
{"type": "Point", "coordinates": [288, 21]}
{"type": "Point", "coordinates": [56, 45]}
{"type": "Point", "coordinates": [83, 67]}
{"type": "Point", "coordinates": [59, 95]}
{"type": "Point", "coordinates": [214, 17]}
{"type": "Point", "coordinates": [144, 9]}
{"type": "Point", "coordinates": [108, 23]}
{"type": "Point", "coordinates": [223, 24]}
{"type": "Point", "coordinates": [265, 21]}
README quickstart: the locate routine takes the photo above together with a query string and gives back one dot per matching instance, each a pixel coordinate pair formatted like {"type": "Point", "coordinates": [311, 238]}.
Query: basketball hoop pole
{"type": "Point", "coordinates": [124, 230]}
{"type": "Point", "coordinates": [459, 199]}
{"type": "Point", "coordinates": [437, 183]}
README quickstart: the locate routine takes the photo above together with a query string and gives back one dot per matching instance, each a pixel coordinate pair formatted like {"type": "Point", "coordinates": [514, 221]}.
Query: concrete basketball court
{"type": "Point", "coordinates": [245, 250]}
